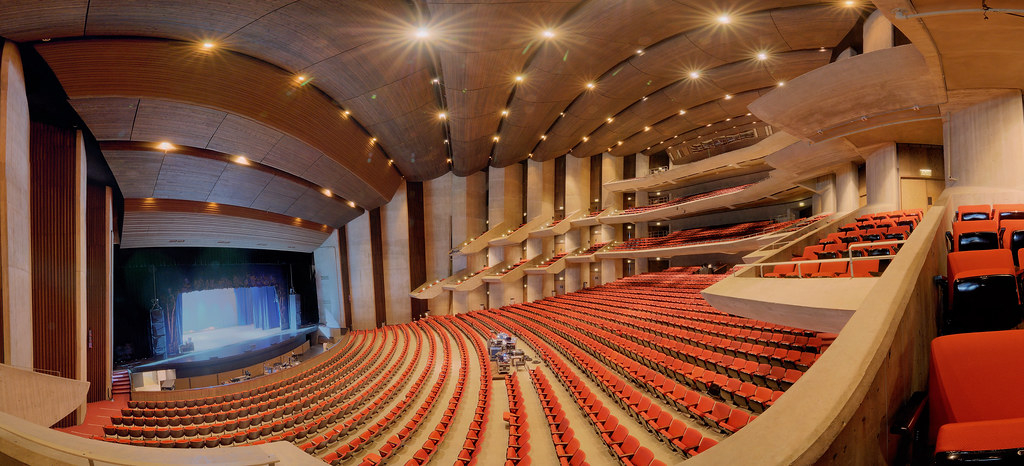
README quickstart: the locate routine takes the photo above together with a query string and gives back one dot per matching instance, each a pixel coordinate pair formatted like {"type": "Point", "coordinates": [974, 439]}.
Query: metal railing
{"type": "Point", "coordinates": [850, 259]}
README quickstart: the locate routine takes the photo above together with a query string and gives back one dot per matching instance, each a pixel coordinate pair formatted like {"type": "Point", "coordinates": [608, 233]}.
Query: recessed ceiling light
{"type": "Point", "coordinates": [422, 33]}
{"type": "Point", "coordinates": [209, 45]}
{"type": "Point", "coordinates": [496, 138]}
{"type": "Point", "coordinates": [728, 119]}
{"type": "Point", "coordinates": [644, 99]}
{"type": "Point", "coordinates": [639, 51]}
{"type": "Point", "coordinates": [446, 141]}
{"type": "Point", "coordinates": [300, 78]}
{"type": "Point", "coordinates": [351, 204]}
{"type": "Point", "coordinates": [762, 56]}
{"type": "Point", "coordinates": [723, 19]}
{"type": "Point", "coordinates": [519, 78]}
{"type": "Point", "coordinates": [449, 160]}
{"type": "Point", "coordinates": [504, 113]}
{"type": "Point", "coordinates": [708, 125]}
{"type": "Point", "coordinates": [821, 49]}
{"type": "Point", "coordinates": [327, 192]}
{"type": "Point", "coordinates": [694, 74]}
{"type": "Point", "coordinates": [165, 146]}
{"type": "Point", "coordinates": [618, 143]}
{"type": "Point", "coordinates": [849, 3]}
{"type": "Point", "coordinates": [561, 114]}
{"type": "Point", "coordinates": [543, 137]}
{"type": "Point", "coordinates": [728, 97]}
{"type": "Point", "coordinates": [609, 119]}
{"type": "Point", "coordinates": [241, 160]}
{"type": "Point", "coordinates": [435, 80]}
{"type": "Point", "coordinates": [590, 85]}
{"type": "Point", "coordinates": [748, 113]}
{"type": "Point", "coordinates": [373, 140]}
{"type": "Point", "coordinates": [682, 112]}
{"type": "Point", "coordinates": [442, 115]}
{"type": "Point", "coordinates": [782, 83]}
{"type": "Point", "coordinates": [346, 112]}
{"type": "Point", "coordinates": [585, 139]}
{"type": "Point", "coordinates": [548, 33]}
{"type": "Point", "coordinates": [647, 128]}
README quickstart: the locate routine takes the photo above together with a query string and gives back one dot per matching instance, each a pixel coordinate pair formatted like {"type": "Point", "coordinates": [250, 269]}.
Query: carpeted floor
{"type": "Point", "coordinates": [97, 415]}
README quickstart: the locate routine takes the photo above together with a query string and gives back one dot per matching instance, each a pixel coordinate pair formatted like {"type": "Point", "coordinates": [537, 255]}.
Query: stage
{"type": "Point", "coordinates": [252, 346]}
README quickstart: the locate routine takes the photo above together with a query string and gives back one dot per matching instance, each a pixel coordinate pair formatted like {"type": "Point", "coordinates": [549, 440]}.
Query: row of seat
{"type": "Point", "coordinates": [518, 452]}
{"type": "Point", "coordinates": [552, 260]}
{"type": "Point", "coordinates": [707, 410]}
{"type": "Point", "coordinates": [983, 280]}
{"type": "Point", "coordinates": [567, 446]}
{"type": "Point", "coordinates": [685, 199]}
{"type": "Point", "coordinates": [477, 428]}
{"type": "Point", "coordinates": [289, 416]}
{"type": "Point", "coordinates": [620, 443]}
{"type": "Point", "coordinates": [592, 249]}
{"type": "Point", "coordinates": [704, 235]}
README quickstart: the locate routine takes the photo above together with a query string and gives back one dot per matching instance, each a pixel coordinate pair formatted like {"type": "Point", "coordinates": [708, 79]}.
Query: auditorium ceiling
{"type": "Point", "coordinates": [318, 109]}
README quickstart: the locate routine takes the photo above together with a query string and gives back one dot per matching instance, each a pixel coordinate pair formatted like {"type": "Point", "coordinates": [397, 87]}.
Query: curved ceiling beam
{"type": "Point", "coordinates": [702, 115]}
{"type": "Point", "coordinates": [151, 120]}
{"type": "Point", "coordinates": [226, 82]}
{"type": "Point", "coordinates": [181, 223]}
{"type": "Point", "coordinates": [688, 95]}
{"type": "Point", "coordinates": [669, 62]}
{"type": "Point", "coordinates": [588, 45]}
{"type": "Point", "coordinates": [361, 53]}
{"type": "Point", "coordinates": [143, 170]}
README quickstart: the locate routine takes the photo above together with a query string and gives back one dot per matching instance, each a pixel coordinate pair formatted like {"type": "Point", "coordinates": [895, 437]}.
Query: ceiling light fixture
{"type": "Point", "coordinates": [723, 19]}
{"type": "Point", "coordinates": [762, 56]}
{"type": "Point", "coordinates": [618, 143]}
{"type": "Point", "coordinates": [591, 85]}
{"type": "Point", "coordinates": [647, 128]}
{"type": "Point", "coordinates": [504, 113]}
{"type": "Point", "coordinates": [496, 138]}
{"type": "Point", "coordinates": [351, 204]}
{"type": "Point", "coordinates": [782, 83]}
{"type": "Point", "coordinates": [585, 139]}
{"type": "Point", "coordinates": [442, 115]}
{"type": "Point", "coordinates": [519, 78]}
{"type": "Point", "coordinates": [543, 137]}
{"type": "Point", "coordinates": [728, 97]}
{"type": "Point", "coordinates": [694, 74]}
{"type": "Point", "coordinates": [165, 146]}
{"type": "Point", "coordinates": [327, 192]}
{"type": "Point", "coordinates": [548, 33]}
{"type": "Point", "coordinates": [241, 160]}
{"type": "Point", "coordinates": [346, 112]}
{"type": "Point", "coordinates": [422, 33]}
{"type": "Point", "coordinates": [682, 112]}
{"type": "Point", "coordinates": [435, 80]}
{"type": "Point", "coordinates": [301, 78]}
{"type": "Point", "coordinates": [609, 119]}
{"type": "Point", "coordinates": [208, 45]}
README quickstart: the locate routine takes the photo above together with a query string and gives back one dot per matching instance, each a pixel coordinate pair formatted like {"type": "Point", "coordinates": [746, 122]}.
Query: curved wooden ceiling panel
{"type": "Point", "coordinates": [149, 120]}
{"type": "Point", "coordinates": [201, 175]}
{"type": "Point", "coordinates": [669, 61]}
{"type": "Point", "coordinates": [229, 83]}
{"type": "Point", "coordinates": [599, 36]}
{"type": "Point", "coordinates": [161, 223]}
{"type": "Point", "coordinates": [690, 95]}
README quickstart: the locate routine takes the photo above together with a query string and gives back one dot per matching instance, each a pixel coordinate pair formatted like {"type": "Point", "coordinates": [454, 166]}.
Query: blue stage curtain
{"type": "Point", "coordinates": [259, 306]}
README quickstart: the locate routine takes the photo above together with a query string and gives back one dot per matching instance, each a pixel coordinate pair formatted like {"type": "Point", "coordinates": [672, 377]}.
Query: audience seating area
{"type": "Point", "coordinates": [592, 249]}
{"type": "Point", "coordinates": [552, 260]}
{"type": "Point", "coordinates": [870, 235]}
{"type": "Point", "coordinates": [704, 235]}
{"type": "Point", "coordinates": [983, 274]}
{"type": "Point", "coordinates": [675, 372]}
{"type": "Point", "coordinates": [685, 199]}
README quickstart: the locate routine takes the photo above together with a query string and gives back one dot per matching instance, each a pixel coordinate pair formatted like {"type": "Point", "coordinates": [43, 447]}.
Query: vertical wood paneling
{"type": "Point", "coordinates": [377, 268]}
{"type": "Point", "coordinates": [346, 294]}
{"type": "Point", "coordinates": [99, 252]}
{"type": "Point", "coordinates": [417, 244]}
{"type": "Point", "coordinates": [55, 216]}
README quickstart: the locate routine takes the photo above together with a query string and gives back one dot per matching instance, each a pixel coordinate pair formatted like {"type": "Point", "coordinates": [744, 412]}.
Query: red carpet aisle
{"type": "Point", "coordinates": [98, 414]}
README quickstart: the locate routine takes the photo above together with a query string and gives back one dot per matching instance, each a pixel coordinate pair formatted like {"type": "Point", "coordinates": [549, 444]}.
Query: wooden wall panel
{"type": "Point", "coordinates": [417, 244]}
{"type": "Point", "coordinates": [57, 198]}
{"type": "Point", "coordinates": [377, 268]}
{"type": "Point", "coordinates": [99, 294]}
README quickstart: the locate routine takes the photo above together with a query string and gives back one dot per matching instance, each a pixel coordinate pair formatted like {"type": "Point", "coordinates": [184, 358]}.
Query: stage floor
{"type": "Point", "coordinates": [244, 345]}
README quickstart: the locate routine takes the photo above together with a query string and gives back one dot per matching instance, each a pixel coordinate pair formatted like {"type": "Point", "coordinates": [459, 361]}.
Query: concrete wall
{"type": "Point", "coordinates": [360, 273]}
{"type": "Point", "coordinates": [984, 144]}
{"type": "Point", "coordinates": [395, 236]}
{"type": "Point", "coordinates": [15, 235]}
{"type": "Point", "coordinates": [437, 211]}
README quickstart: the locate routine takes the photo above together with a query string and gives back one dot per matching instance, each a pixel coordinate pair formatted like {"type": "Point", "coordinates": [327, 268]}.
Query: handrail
{"type": "Point", "coordinates": [761, 265]}
{"type": "Point", "coordinates": [91, 456]}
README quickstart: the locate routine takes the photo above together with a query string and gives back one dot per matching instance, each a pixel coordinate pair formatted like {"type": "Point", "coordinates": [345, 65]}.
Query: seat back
{"type": "Point", "coordinates": [832, 268]}
{"type": "Point", "coordinates": [983, 291]}
{"type": "Point", "coordinates": [973, 212]}
{"type": "Point", "coordinates": [1012, 232]}
{"type": "Point", "coordinates": [864, 268]}
{"type": "Point", "coordinates": [642, 457]}
{"type": "Point", "coordinates": [1004, 212]}
{"type": "Point", "coordinates": [975, 235]}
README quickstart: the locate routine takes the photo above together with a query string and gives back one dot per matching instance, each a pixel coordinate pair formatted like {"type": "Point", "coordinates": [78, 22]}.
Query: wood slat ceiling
{"type": "Point", "coordinates": [166, 223]}
{"type": "Point", "coordinates": [367, 112]}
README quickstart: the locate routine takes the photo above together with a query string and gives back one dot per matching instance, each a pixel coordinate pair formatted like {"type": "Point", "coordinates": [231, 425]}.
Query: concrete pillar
{"type": "Point", "coordinates": [641, 265]}
{"type": "Point", "coordinates": [469, 220]}
{"type": "Point", "coordinates": [883, 178]}
{"type": "Point", "coordinates": [15, 229]}
{"type": "Point", "coordinates": [611, 170]}
{"type": "Point", "coordinates": [437, 211]}
{"type": "Point", "coordinates": [395, 239]}
{"type": "Point", "coordinates": [847, 188]}
{"type": "Point", "coordinates": [577, 184]}
{"type": "Point", "coordinates": [360, 276]}
{"type": "Point", "coordinates": [824, 200]}
{"type": "Point", "coordinates": [327, 263]}
{"type": "Point", "coordinates": [984, 144]}
{"type": "Point", "coordinates": [877, 32]}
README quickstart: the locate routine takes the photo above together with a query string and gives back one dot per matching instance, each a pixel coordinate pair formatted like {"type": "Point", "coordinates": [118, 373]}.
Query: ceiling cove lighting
{"type": "Point", "coordinates": [519, 78]}
{"type": "Point", "coordinates": [241, 160]}
{"type": "Point", "coordinates": [591, 85]}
